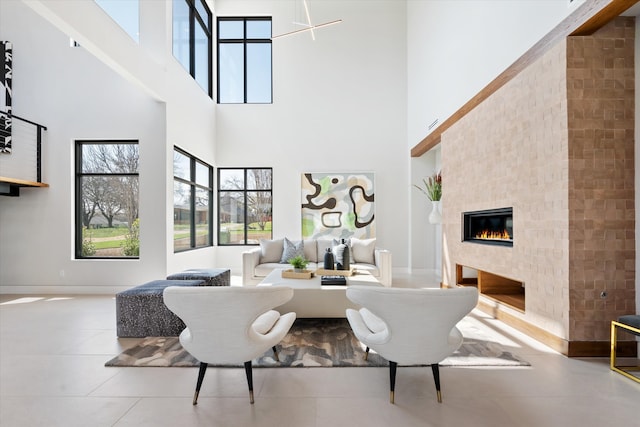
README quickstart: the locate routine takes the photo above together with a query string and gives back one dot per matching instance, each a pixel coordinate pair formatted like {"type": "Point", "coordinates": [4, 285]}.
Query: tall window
{"type": "Point", "coordinates": [192, 39]}
{"type": "Point", "coordinates": [107, 224]}
{"type": "Point", "coordinates": [244, 60]}
{"type": "Point", "coordinates": [244, 205]}
{"type": "Point", "coordinates": [192, 202]}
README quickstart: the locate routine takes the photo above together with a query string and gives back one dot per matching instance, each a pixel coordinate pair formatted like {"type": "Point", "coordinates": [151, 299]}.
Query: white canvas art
{"type": "Point", "coordinates": [338, 205]}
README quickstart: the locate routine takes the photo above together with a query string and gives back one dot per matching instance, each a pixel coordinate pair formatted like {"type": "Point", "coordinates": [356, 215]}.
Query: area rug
{"type": "Point", "coordinates": [322, 343]}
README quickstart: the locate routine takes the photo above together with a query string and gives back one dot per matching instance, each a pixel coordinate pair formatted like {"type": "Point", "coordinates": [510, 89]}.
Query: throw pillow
{"type": "Point", "coordinates": [338, 251]}
{"type": "Point", "coordinates": [270, 250]}
{"type": "Point", "coordinates": [291, 250]}
{"type": "Point", "coordinates": [362, 250]}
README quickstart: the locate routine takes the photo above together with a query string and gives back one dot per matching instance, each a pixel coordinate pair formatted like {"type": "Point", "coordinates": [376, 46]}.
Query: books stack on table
{"type": "Point", "coordinates": [333, 280]}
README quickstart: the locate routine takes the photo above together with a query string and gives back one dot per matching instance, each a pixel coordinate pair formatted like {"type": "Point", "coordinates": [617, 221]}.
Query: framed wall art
{"type": "Point", "coordinates": [6, 75]}
{"type": "Point", "coordinates": [338, 205]}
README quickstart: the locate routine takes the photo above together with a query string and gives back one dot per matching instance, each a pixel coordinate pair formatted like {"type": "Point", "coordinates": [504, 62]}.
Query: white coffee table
{"type": "Point", "coordinates": [311, 299]}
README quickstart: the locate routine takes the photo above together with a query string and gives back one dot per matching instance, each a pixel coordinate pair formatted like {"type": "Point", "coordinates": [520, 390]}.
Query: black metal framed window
{"type": "Point", "coordinates": [244, 60]}
{"type": "Point", "coordinates": [106, 199]}
{"type": "Point", "coordinates": [245, 205]}
{"type": "Point", "coordinates": [192, 202]}
{"type": "Point", "coordinates": [193, 40]}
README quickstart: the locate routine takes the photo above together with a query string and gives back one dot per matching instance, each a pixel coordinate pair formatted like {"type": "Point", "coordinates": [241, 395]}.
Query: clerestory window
{"type": "Point", "coordinates": [192, 40]}
{"type": "Point", "coordinates": [244, 60]}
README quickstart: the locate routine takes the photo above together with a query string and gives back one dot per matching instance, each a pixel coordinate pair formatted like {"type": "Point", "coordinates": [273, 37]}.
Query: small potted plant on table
{"type": "Point", "coordinates": [299, 263]}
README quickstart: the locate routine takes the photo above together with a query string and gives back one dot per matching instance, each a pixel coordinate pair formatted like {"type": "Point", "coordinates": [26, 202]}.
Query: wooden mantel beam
{"type": "Point", "coordinates": [585, 20]}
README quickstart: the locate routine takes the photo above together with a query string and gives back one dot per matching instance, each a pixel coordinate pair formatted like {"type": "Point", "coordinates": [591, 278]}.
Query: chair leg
{"type": "Point", "coordinates": [203, 370]}
{"type": "Point", "coordinates": [392, 380]}
{"type": "Point", "coordinates": [275, 353]}
{"type": "Point", "coordinates": [623, 370]}
{"type": "Point", "coordinates": [248, 371]}
{"type": "Point", "coordinates": [436, 377]}
{"type": "Point", "coordinates": [366, 354]}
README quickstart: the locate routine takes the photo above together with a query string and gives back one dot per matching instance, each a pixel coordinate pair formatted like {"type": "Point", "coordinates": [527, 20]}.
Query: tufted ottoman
{"type": "Point", "coordinates": [140, 311]}
{"type": "Point", "coordinates": [213, 276]}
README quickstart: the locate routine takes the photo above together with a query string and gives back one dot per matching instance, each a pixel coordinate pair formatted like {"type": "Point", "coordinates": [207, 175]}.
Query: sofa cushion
{"type": "Point", "coordinates": [322, 245]}
{"type": "Point", "coordinates": [310, 250]}
{"type": "Point", "coordinates": [362, 250]}
{"type": "Point", "coordinates": [271, 250]}
{"type": "Point", "coordinates": [291, 250]}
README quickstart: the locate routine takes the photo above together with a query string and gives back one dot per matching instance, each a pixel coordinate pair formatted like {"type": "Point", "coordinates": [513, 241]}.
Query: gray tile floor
{"type": "Point", "coordinates": [53, 350]}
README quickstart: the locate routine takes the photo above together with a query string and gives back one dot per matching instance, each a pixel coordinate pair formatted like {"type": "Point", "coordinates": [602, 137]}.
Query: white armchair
{"type": "Point", "coordinates": [410, 326]}
{"type": "Point", "coordinates": [229, 324]}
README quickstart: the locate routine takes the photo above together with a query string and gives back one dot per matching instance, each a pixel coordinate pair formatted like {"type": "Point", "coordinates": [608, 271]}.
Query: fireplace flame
{"type": "Point", "coordinates": [493, 235]}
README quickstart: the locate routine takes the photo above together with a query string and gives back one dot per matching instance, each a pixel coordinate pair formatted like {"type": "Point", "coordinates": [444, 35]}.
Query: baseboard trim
{"type": "Point", "coordinates": [555, 342]}
{"type": "Point", "coordinates": [561, 345]}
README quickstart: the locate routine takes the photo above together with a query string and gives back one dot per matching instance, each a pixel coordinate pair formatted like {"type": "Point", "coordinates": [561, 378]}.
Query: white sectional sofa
{"type": "Point", "coordinates": [258, 262]}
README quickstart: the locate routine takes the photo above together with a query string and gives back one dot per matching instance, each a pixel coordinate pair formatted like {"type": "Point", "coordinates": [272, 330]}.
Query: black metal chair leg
{"type": "Point", "coordinates": [366, 354]}
{"type": "Point", "coordinates": [275, 353]}
{"type": "Point", "coordinates": [392, 380]}
{"type": "Point", "coordinates": [203, 370]}
{"type": "Point", "coordinates": [436, 377]}
{"type": "Point", "coordinates": [248, 371]}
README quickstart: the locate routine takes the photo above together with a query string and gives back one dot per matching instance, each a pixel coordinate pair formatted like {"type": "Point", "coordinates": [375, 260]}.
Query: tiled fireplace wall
{"type": "Point", "coordinates": [556, 144]}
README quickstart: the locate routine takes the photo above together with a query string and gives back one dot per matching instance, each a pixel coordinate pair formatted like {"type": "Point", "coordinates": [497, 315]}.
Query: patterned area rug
{"type": "Point", "coordinates": [324, 343]}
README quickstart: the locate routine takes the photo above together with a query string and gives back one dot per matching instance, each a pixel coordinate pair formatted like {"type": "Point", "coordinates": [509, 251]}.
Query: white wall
{"type": "Point", "coordinates": [426, 238]}
{"type": "Point", "coordinates": [455, 48]}
{"type": "Point", "coordinates": [339, 104]}
{"type": "Point", "coordinates": [108, 88]}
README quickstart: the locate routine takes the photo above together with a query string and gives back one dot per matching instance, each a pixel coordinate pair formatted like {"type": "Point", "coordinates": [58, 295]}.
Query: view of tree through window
{"type": "Point", "coordinates": [245, 205]}
{"type": "Point", "coordinates": [192, 202]}
{"type": "Point", "coordinates": [107, 223]}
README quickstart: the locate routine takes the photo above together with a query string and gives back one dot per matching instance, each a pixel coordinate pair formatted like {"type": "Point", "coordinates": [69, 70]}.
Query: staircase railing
{"type": "Point", "coordinates": [39, 128]}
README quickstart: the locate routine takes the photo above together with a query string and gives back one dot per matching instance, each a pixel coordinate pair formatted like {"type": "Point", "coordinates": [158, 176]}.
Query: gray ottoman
{"type": "Point", "coordinates": [213, 276]}
{"type": "Point", "coordinates": [140, 311]}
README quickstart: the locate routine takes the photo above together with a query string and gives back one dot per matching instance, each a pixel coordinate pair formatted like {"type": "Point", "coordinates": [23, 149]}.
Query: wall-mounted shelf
{"type": "Point", "coordinates": [11, 186]}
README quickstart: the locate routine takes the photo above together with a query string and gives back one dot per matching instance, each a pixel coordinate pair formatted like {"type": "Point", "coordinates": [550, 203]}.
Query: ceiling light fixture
{"type": "Point", "coordinates": [308, 26]}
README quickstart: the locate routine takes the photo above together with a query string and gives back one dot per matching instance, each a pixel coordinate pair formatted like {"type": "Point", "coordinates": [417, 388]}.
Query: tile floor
{"type": "Point", "coordinates": [53, 350]}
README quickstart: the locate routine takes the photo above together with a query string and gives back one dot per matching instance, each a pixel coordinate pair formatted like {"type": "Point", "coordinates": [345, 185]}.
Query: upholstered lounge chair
{"type": "Point", "coordinates": [410, 326]}
{"type": "Point", "coordinates": [226, 325]}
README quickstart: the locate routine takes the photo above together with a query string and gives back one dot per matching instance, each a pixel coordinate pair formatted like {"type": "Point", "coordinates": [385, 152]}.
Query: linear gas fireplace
{"type": "Point", "coordinates": [490, 227]}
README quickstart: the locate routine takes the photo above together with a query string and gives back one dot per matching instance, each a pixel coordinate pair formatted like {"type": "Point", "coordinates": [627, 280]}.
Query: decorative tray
{"type": "Point", "coordinates": [290, 274]}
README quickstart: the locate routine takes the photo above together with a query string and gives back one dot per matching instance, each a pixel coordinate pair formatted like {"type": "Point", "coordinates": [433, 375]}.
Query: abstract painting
{"type": "Point", "coordinates": [338, 205]}
{"type": "Point", "coordinates": [6, 74]}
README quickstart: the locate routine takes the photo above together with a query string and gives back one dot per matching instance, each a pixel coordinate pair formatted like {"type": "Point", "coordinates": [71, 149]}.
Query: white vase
{"type": "Point", "coordinates": [435, 217]}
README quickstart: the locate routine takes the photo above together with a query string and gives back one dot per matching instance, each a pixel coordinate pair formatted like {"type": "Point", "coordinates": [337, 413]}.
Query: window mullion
{"type": "Point", "coordinates": [246, 205]}
{"type": "Point", "coordinates": [79, 207]}
{"type": "Point", "coordinates": [209, 59]}
{"type": "Point", "coordinates": [244, 47]}
{"type": "Point", "coordinates": [192, 42]}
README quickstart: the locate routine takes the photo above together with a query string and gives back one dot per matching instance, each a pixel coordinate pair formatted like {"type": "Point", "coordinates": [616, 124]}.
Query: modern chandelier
{"type": "Point", "coordinates": [308, 26]}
